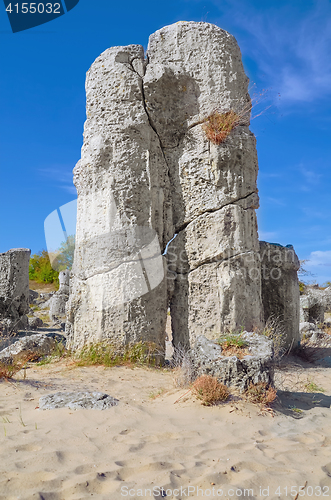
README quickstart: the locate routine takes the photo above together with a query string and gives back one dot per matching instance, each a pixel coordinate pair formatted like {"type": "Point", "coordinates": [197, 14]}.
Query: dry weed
{"type": "Point", "coordinates": [8, 370]}
{"type": "Point", "coordinates": [261, 393]}
{"type": "Point", "coordinates": [218, 126]}
{"type": "Point", "coordinates": [182, 365]}
{"type": "Point", "coordinates": [209, 390]}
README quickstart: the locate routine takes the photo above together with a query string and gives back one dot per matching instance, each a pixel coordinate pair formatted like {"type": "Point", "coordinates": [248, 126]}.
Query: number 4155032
{"type": "Point", "coordinates": [33, 8]}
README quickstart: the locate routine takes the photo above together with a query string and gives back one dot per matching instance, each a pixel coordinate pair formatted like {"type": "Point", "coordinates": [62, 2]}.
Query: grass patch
{"type": "Point", "coordinates": [310, 386]}
{"type": "Point", "coordinates": [58, 353]}
{"type": "Point", "coordinates": [233, 344]}
{"type": "Point", "coordinates": [261, 393]}
{"type": "Point", "coordinates": [107, 354]}
{"type": "Point", "coordinates": [154, 395]}
{"type": "Point", "coordinates": [209, 390]}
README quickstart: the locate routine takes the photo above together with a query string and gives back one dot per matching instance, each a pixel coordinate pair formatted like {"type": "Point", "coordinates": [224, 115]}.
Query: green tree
{"type": "Point", "coordinates": [40, 268]}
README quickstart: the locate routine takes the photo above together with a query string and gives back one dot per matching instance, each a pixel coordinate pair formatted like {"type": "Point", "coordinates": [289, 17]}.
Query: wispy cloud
{"type": "Point", "coordinates": [320, 258]}
{"type": "Point", "coordinates": [268, 235]}
{"type": "Point", "coordinates": [61, 176]}
{"type": "Point", "coordinates": [289, 42]}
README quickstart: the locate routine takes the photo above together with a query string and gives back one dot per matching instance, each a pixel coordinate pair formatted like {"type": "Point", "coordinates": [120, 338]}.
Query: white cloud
{"type": "Point", "coordinates": [290, 43]}
{"type": "Point", "coordinates": [319, 258]}
{"type": "Point", "coordinates": [62, 177]}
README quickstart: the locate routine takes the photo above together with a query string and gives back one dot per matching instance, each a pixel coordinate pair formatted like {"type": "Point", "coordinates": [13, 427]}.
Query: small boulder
{"type": "Point", "coordinates": [77, 401]}
{"type": "Point", "coordinates": [35, 323]}
{"type": "Point", "coordinates": [31, 347]}
{"type": "Point", "coordinates": [33, 295]}
{"type": "Point", "coordinates": [307, 329]}
{"type": "Point", "coordinates": [257, 366]}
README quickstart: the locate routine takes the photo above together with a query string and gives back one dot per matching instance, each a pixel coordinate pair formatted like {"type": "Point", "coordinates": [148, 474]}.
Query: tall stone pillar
{"type": "Point", "coordinates": [14, 287]}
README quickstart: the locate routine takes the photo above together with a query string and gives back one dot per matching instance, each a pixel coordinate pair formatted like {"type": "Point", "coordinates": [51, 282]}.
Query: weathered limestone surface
{"type": "Point", "coordinates": [14, 287]}
{"type": "Point", "coordinates": [194, 68]}
{"type": "Point", "coordinates": [314, 303]}
{"type": "Point", "coordinates": [59, 299]}
{"type": "Point", "coordinates": [256, 367]}
{"type": "Point", "coordinates": [31, 346]}
{"type": "Point", "coordinates": [280, 288]}
{"type": "Point", "coordinates": [147, 172]}
{"type": "Point", "coordinates": [77, 401]}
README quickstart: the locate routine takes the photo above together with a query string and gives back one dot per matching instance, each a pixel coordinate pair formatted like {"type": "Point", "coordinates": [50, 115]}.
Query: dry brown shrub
{"type": "Point", "coordinates": [239, 352]}
{"type": "Point", "coordinates": [209, 390]}
{"type": "Point", "coordinates": [261, 393]}
{"type": "Point", "coordinates": [218, 126]}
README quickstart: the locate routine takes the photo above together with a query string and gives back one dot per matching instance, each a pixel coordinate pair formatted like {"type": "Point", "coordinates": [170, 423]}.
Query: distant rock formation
{"type": "Point", "coordinates": [147, 173]}
{"type": "Point", "coordinates": [14, 288]}
{"type": "Point", "coordinates": [57, 303]}
{"type": "Point", "coordinates": [280, 289]}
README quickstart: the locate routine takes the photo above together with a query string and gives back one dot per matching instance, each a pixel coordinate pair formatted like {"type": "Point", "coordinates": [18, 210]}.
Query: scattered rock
{"type": "Point", "coordinates": [35, 323]}
{"type": "Point", "coordinates": [32, 347]}
{"type": "Point", "coordinates": [33, 295]}
{"type": "Point", "coordinates": [77, 401]}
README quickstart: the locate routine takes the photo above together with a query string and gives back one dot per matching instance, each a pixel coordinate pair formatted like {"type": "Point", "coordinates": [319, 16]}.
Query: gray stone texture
{"type": "Point", "coordinates": [14, 287]}
{"type": "Point", "coordinates": [280, 288]}
{"type": "Point", "coordinates": [147, 172]}
{"type": "Point", "coordinates": [77, 401]}
{"type": "Point", "coordinates": [57, 303]}
{"type": "Point", "coordinates": [31, 346]}
{"type": "Point", "coordinates": [256, 367]}
{"type": "Point", "coordinates": [314, 303]}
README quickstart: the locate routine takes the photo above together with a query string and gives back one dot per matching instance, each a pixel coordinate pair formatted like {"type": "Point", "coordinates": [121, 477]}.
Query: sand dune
{"type": "Point", "coordinates": [227, 451]}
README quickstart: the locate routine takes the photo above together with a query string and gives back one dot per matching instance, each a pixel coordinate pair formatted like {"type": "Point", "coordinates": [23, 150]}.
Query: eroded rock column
{"type": "Point", "coordinates": [280, 289]}
{"type": "Point", "coordinates": [148, 172]}
{"type": "Point", "coordinates": [118, 288]}
{"type": "Point", "coordinates": [193, 69]}
{"type": "Point", "coordinates": [14, 288]}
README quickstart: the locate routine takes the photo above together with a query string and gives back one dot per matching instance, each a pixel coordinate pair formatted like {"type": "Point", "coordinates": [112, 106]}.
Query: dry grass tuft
{"type": "Point", "coordinates": [275, 331]}
{"type": "Point", "coordinates": [183, 369]}
{"type": "Point", "coordinates": [209, 390]}
{"type": "Point", "coordinates": [218, 126]}
{"type": "Point", "coordinates": [261, 393]}
{"type": "Point", "coordinates": [8, 370]}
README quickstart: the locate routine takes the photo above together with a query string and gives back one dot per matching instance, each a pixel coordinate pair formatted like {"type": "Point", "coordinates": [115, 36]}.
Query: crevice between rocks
{"type": "Point", "coordinates": [213, 260]}
{"type": "Point", "coordinates": [212, 210]}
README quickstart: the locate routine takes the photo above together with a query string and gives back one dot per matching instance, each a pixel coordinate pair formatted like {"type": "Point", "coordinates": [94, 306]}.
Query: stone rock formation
{"type": "Point", "coordinates": [14, 288]}
{"type": "Point", "coordinates": [147, 173]}
{"type": "Point", "coordinates": [280, 288]}
{"type": "Point", "coordinates": [255, 367]}
{"type": "Point", "coordinates": [77, 401]}
{"type": "Point", "coordinates": [314, 303]}
{"type": "Point", "coordinates": [31, 347]}
{"type": "Point", "coordinates": [57, 302]}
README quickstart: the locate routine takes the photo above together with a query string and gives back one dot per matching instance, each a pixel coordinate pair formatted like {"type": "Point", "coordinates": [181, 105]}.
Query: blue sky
{"type": "Point", "coordinates": [286, 47]}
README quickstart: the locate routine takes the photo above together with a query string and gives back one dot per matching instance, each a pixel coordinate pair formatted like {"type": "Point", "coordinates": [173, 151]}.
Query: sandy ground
{"type": "Point", "coordinates": [149, 441]}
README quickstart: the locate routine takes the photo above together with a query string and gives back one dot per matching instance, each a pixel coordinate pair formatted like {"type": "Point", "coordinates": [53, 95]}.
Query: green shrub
{"type": "Point", "coordinates": [40, 269]}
